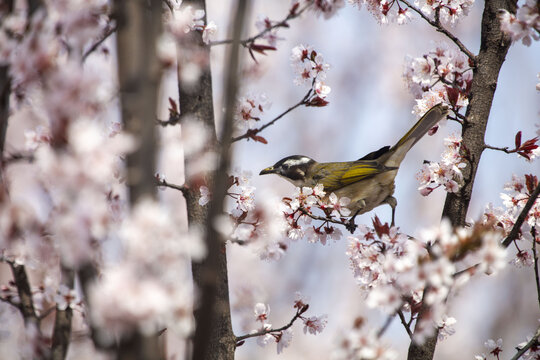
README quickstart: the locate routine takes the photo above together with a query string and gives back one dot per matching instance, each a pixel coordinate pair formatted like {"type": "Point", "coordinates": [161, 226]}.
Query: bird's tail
{"type": "Point", "coordinates": [426, 122]}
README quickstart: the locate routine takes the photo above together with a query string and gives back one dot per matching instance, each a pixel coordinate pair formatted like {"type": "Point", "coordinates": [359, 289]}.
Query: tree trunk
{"type": "Point", "coordinates": [493, 48]}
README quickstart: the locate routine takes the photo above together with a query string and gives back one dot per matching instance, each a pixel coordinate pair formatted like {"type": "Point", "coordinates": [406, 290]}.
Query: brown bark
{"type": "Point", "coordinates": [213, 338]}
{"type": "Point", "coordinates": [62, 323]}
{"type": "Point", "coordinates": [493, 49]}
{"type": "Point", "coordinates": [139, 25]}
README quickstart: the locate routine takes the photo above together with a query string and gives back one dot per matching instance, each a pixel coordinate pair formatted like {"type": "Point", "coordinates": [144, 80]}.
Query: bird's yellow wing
{"type": "Point", "coordinates": [334, 176]}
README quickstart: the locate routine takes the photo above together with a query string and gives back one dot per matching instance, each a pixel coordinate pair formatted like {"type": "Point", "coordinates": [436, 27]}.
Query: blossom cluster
{"type": "Point", "coordinates": [524, 25]}
{"type": "Point", "coordinates": [269, 223]}
{"type": "Point", "coordinates": [443, 75]}
{"type": "Point", "coordinates": [447, 172]}
{"type": "Point", "coordinates": [146, 288]}
{"type": "Point", "coordinates": [185, 19]}
{"type": "Point", "coordinates": [494, 348]}
{"type": "Point", "coordinates": [400, 273]}
{"type": "Point", "coordinates": [446, 11]}
{"type": "Point", "coordinates": [249, 110]}
{"type": "Point", "coordinates": [518, 192]}
{"type": "Point", "coordinates": [299, 214]}
{"type": "Point", "coordinates": [362, 343]}
{"type": "Point", "coordinates": [310, 69]}
{"type": "Point", "coordinates": [283, 337]}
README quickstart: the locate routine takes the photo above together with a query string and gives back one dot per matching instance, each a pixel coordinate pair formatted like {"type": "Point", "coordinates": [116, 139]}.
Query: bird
{"type": "Point", "coordinates": [369, 181]}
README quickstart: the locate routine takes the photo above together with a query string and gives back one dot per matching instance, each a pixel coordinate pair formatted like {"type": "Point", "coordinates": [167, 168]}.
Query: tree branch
{"type": "Point", "coordinates": [282, 23]}
{"type": "Point", "coordinates": [514, 233]}
{"type": "Point", "coordinates": [62, 322]}
{"type": "Point", "coordinates": [210, 316]}
{"type": "Point", "coordinates": [249, 133]}
{"type": "Point", "coordinates": [268, 331]}
{"type": "Point", "coordinates": [162, 182]}
{"type": "Point", "coordinates": [405, 323]}
{"type": "Point", "coordinates": [527, 346]}
{"type": "Point", "coordinates": [109, 30]}
{"type": "Point", "coordinates": [535, 257]}
{"type": "Point", "coordinates": [440, 28]}
{"type": "Point", "coordinates": [25, 293]}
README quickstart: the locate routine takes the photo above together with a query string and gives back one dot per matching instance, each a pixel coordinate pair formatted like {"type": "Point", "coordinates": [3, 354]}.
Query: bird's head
{"type": "Point", "coordinates": [293, 168]}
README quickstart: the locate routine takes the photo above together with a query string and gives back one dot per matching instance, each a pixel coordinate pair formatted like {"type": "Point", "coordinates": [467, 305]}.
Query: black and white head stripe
{"type": "Point", "coordinates": [293, 161]}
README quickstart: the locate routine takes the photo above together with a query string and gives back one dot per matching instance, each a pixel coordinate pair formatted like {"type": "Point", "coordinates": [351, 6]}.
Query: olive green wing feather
{"type": "Point", "coordinates": [334, 176]}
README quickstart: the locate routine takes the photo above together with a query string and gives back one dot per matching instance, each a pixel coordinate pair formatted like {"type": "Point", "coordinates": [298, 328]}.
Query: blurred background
{"type": "Point", "coordinates": [370, 107]}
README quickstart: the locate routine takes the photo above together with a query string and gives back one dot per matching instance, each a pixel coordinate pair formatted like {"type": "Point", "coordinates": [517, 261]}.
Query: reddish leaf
{"type": "Point", "coordinates": [317, 102]}
{"type": "Point", "coordinates": [174, 107]}
{"type": "Point", "coordinates": [529, 145]}
{"type": "Point", "coordinates": [380, 228]}
{"type": "Point", "coordinates": [532, 182]}
{"type": "Point", "coordinates": [518, 140]}
{"type": "Point", "coordinates": [240, 343]}
{"type": "Point", "coordinates": [259, 139]}
{"type": "Point", "coordinates": [294, 8]}
{"type": "Point", "coordinates": [261, 48]}
{"type": "Point", "coordinates": [524, 154]}
{"type": "Point", "coordinates": [453, 95]}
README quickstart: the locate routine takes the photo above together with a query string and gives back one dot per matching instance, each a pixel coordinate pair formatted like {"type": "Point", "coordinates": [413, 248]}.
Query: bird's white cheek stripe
{"type": "Point", "coordinates": [296, 162]}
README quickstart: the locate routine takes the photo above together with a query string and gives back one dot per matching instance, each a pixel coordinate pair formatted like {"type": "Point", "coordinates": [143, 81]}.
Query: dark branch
{"type": "Point", "coordinates": [406, 325]}
{"type": "Point", "coordinates": [62, 322]}
{"type": "Point", "coordinates": [109, 30]}
{"type": "Point", "coordinates": [268, 331]}
{"type": "Point", "coordinates": [514, 233]}
{"type": "Point", "coordinates": [282, 23]}
{"type": "Point", "coordinates": [535, 257]}
{"type": "Point", "coordinates": [25, 293]}
{"type": "Point", "coordinates": [440, 28]}
{"type": "Point", "coordinates": [527, 346]}
{"type": "Point", "coordinates": [181, 188]}
{"type": "Point", "coordinates": [255, 131]}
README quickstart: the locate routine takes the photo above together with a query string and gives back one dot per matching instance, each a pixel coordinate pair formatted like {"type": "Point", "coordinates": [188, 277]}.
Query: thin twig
{"type": "Point", "coordinates": [321, 218]}
{"type": "Point", "coordinates": [504, 149]}
{"type": "Point", "coordinates": [535, 257]}
{"type": "Point", "coordinates": [11, 302]}
{"type": "Point", "coordinates": [527, 346]}
{"type": "Point", "coordinates": [108, 32]}
{"type": "Point", "coordinates": [268, 331]}
{"type": "Point", "coordinates": [255, 131]}
{"type": "Point", "coordinates": [282, 23]}
{"type": "Point", "coordinates": [169, 5]}
{"type": "Point", "coordinates": [386, 324]}
{"type": "Point", "coordinates": [438, 26]}
{"type": "Point", "coordinates": [405, 323]}
{"type": "Point", "coordinates": [514, 233]}
{"type": "Point", "coordinates": [22, 283]}
{"type": "Point", "coordinates": [181, 188]}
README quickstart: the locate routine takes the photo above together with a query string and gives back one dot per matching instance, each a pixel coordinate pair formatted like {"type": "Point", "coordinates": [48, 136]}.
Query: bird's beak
{"type": "Point", "coordinates": [268, 170]}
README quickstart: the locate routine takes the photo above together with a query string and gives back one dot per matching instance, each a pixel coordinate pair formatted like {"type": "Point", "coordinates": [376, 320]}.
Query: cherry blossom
{"type": "Point", "coordinates": [524, 25]}
{"type": "Point", "coordinates": [249, 110]}
{"type": "Point", "coordinates": [446, 173]}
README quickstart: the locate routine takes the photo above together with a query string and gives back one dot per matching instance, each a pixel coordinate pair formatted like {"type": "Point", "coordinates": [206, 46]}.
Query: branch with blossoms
{"type": "Point", "coordinates": [267, 31]}
{"type": "Point", "coordinates": [436, 23]}
{"type": "Point", "coordinates": [532, 346]}
{"type": "Point", "coordinates": [107, 32]}
{"type": "Point", "coordinates": [399, 273]}
{"type": "Point", "coordinates": [310, 68]}
{"type": "Point", "coordinates": [282, 335]}
{"type": "Point", "coordinates": [528, 149]}
{"type": "Point", "coordinates": [528, 190]}
{"type": "Point", "coordinates": [252, 133]}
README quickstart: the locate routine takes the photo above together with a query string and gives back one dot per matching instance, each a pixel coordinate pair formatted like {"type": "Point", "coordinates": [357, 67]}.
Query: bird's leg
{"type": "Point", "coordinates": [351, 226]}
{"type": "Point", "coordinates": [393, 203]}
